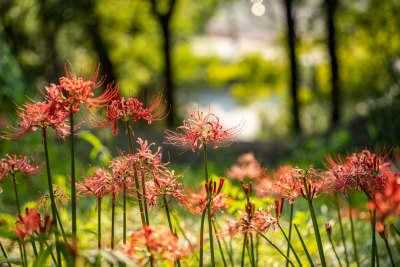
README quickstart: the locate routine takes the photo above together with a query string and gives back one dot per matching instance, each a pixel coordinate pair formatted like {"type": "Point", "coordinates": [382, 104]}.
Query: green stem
{"type": "Point", "coordinates": [252, 251]}
{"type": "Point", "coordinates": [51, 252]}
{"type": "Point", "coordinates": [124, 214]}
{"type": "Point", "coordinates": [112, 220]}
{"type": "Point", "coordinates": [53, 203]}
{"type": "Point", "coordinates": [73, 189]}
{"type": "Point", "coordinates": [5, 254]}
{"type": "Point", "coordinates": [257, 246]}
{"type": "Point", "coordinates": [210, 232]}
{"type": "Point", "coordinates": [316, 232]}
{"type": "Point", "coordinates": [274, 246]}
{"type": "Point", "coordinates": [290, 232]}
{"type": "Point", "coordinates": [291, 247]}
{"type": "Point", "coordinates": [61, 227]}
{"type": "Point", "coordinates": [304, 246]}
{"type": "Point", "coordinates": [389, 250]}
{"type": "Point", "coordinates": [178, 263]}
{"type": "Point", "coordinates": [228, 250]}
{"type": "Point", "coordinates": [250, 256]}
{"type": "Point", "coordinates": [219, 244]}
{"type": "Point", "coordinates": [21, 243]}
{"type": "Point", "coordinates": [341, 229]}
{"type": "Point", "coordinates": [144, 198]}
{"type": "Point", "coordinates": [243, 250]}
{"type": "Point", "coordinates": [201, 233]}
{"type": "Point", "coordinates": [373, 228]}
{"type": "Point", "coordinates": [334, 250]}
{"type": "Point", "coordinates": [353, 237]}
{"type": "Point", "coordinates": [99, 230]}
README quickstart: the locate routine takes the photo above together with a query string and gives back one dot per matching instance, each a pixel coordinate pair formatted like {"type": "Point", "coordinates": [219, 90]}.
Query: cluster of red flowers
{"type": "Point", "coordinates": [202, 129]}
{"type": "Point", "coordinates": [360, 171]}
{"type": "Point", "coordinates": [26, 226]}
{"type": "Point", "coordinates": [260, 221]}
{"type": "Point", "coordinates": [126, 109]}
{"type": "Point", "coordinates": [162, 244]}
{"type": "Point", "coordinates": [290, 183]}
{"type": "Point", "coordinates": [12, 164]}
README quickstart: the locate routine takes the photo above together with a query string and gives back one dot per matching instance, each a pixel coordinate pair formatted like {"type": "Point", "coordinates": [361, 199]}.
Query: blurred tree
{"type": "Point", "coordinates": [291, 39]}
{"type": "Point", "coordinates": [164, 19]}
{"type": "Point", "coordinates": [330, 6]}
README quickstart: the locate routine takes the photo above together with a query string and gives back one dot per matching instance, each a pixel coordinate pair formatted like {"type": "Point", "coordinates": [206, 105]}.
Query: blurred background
{"type": "Point", "coordinates": [308, 77]}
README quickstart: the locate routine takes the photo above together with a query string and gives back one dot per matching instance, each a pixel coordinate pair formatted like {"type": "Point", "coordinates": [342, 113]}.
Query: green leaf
{"type": "Point", "coordinates": [6, 232]}
{"type": "Point", "coordinates": [42, 257]}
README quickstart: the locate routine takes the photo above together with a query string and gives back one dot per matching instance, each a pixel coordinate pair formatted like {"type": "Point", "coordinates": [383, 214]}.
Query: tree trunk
{"type": "Point", "coordinates": [293, 66]}
{"type": "Point", "coordinates": [330, 6]}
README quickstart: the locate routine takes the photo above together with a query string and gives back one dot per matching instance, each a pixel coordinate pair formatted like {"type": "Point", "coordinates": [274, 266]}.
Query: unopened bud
{"type": "Point", "coordinates": [328, 228]}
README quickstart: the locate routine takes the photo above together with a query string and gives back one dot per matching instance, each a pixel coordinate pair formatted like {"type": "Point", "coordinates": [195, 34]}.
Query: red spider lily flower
{"type": "Point", "coordinates": [126, 109]}
{"type": "Point", "coordinates": [387, 202]}
{"type": "Point", "coordinates": [360, 171]}
{"type": "Point", "coordinates": [200, 129]}
{"type": "Point", "coordinates": [147, 158]}
{"type": "Point", "coordinates": [79, 90]}
{"type": "Point", "coordinates": [97, 185]}
{"type": "Point", "coordinates": [290, 183]}
{"type": "Point", "coordinates": [162, 244]}
{"type": "Point", "coordinates": [13, 164]}
{"type": "Point", "coordinates": [196, 203]}
{"type": "Point", "coordinates": [26, 226]}
{"type": "Point", "coordinates": [38, 115]}
{"type": "Point", "coordinates": [59, 195]}
{"type": "Point", "coordinates": [246, 167]}
{"type": "Point", "coordinates": [260, 221]}
{"type": "Point", "coordinates": [165, 185]}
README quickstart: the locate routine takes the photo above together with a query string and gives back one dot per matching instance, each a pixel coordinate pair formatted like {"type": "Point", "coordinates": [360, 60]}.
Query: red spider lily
{"type": "Point", "coordinates": [260, 220]}
{"type": "Point", "coordinates": [246, 167]}
{"type": "Point", "coordinates": [38, 115]}
{"type": "Point", "coordinates": [147, 159]}
{"type": "Point", "coordinates": [26, 226]}
{"type": "Point", "coordinates": [59, 195]}
{"type": "Point", "coordinates": [360, 171]}
{"type": "Point", "coordinates": [126, 109]}
{"type": "Point", "coordinates": [200, 129]}
{"type": "Point", "coordinates": [387, 202]}
{"type": "Point", "coordinates": [196, 203]}
{"type": "Point", "coordinates": [161, 243]}
{"type": "Point", "coordinates": [165, 185]}
{"type": "Point", "coordinates": [13, 164]}
{"type": "Point", "coordinates": [281, 183]}
{"type": "Point", "coordinates": [79, 90]}
{"type": "Point", "coordinates": [96, 185]}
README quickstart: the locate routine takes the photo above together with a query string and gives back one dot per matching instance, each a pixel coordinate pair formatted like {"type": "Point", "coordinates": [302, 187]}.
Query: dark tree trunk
{"type": "Point", "coordinates": [330, 6]}
{"type": "Point", "coordinates": [169, 87]}
{"type": "Point", "coordinates": [164, 20]}
{"type": "Point", "coordinates": [293, 65]}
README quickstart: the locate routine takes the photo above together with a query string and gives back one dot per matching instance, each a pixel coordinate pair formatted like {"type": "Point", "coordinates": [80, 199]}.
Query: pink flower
{"type": "Point", "coordinates": [259, 220]}
{"type": "Point", "coordinates": [360, 171]}
{"type": "Point", "coordinates": [96, 185]}
{"type": "Point", "coordinates": [79, 90]}
{"type": "Point", "coordinates": [126, 109]}
{"type": "Point", "coordinates": [200, 129]}
{"type": "Point", "coordinates": [163, 245]}
{"type": "Point", "coordinates": [13, 164]}
{"type": "Point", "coordinates": [38, 115]}
{"type": "Point", "coordinates": [246, 167]}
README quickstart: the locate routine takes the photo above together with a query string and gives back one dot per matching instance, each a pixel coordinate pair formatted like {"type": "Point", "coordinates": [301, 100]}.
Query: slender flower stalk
{"type": "Point", "coordinates": [219, 243]}
{"type": "Point", "coordinates": [341, 228]}
{"type": "Point", "coordinates": [353, 237]}
{"type": "Point", "coordinates": [328, 228]}
{"type": "Point", "coordinates": [178, 263]}
{"type": "Point", "coordinates": [146, 213]}
{"type": "Point", "coordinates": [304, 246]}
{"type": "Point", "coordinates": [20, 243]}
{"type": "Point", "coordinates": [383, 235]}
{"type": "Point", "coordinates": [112, 220]}
{"type": "Point", "coordinates": [273, 245]}
{"type": "Point", "coordinates": [203, 214]}
{"type": "Point", "coordinates": [290, 232]}
{"type": "Point", "coordinates": [210, 232]}
{"type": "Point", "coordinates": [5, 254]}
{"type": "Point", "coordinates": [99, 230]}
{"type": "Point", "coordinates": [73, 185]}
{"type": "Point", "coordinates": [53, 203]}
{"type": "Point", "coordinates": [290, 245]}
{"type": "Point", "coordinates": [243, 249]}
